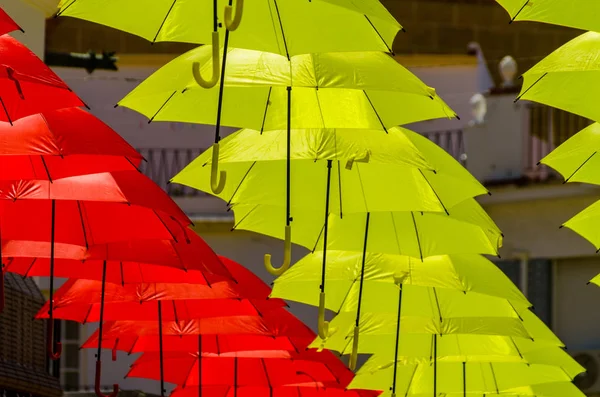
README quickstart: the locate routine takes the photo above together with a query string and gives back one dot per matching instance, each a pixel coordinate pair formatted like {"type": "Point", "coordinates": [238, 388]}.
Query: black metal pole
{"type": "Point", "coordinates": [326, 226]}
{"type": "Point", "coordinates": [160, 349]}
{"type": "Point", "coordinates": [397, 339]}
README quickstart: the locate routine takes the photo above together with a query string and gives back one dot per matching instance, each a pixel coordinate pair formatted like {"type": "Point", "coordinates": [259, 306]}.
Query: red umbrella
{"type": "Point", "coordinates": [7, 25]}
{"type": "Point", "coordinates": [261, 391]}
{"type": "Point", "coordinates": [62, 143]}
{"type": "Point", "coordinates": [27, 85]}
{"type": "Point", "coordinates": [127, 187]}
{"type": "Point", "coordinates": [278, 324]}
{"type": "Point", "coordinates": [82, 300]}
{"type": "Point", "coordinates": [60, 216]}
{"type": "Point", "coordinates": [90, 300]}
{"type": "Point", "coordinates": [237, 345]}
{"type": "Point", "coordinates": [157, 260]}
{"type": "Point", "coordinates": [193, 370]}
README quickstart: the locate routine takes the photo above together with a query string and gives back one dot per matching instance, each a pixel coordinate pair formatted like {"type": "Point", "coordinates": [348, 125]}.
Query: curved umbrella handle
{"type": "Point", "coordinates": [323, 326]}
{"type": "Point", "coordinates": [50, 342]}
{"type": "Point", "coordinates": [287, 255]}
{"type": "Point", "coordinates": [217, 179]}
{"type": "Point", "coordinates": [354, 354]}
{"type": "Point", "coordinates": [233, 24]}
{"type": "Point", "coordinates": [216, 67]}
{"type": "Point", "coordinates": [115, 391]}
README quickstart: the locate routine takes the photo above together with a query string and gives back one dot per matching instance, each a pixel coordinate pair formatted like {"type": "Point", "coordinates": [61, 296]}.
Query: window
{"type": "Point", "coordinates": [539, 283]}
{"type": "Point", "coordinates": [70, 359]}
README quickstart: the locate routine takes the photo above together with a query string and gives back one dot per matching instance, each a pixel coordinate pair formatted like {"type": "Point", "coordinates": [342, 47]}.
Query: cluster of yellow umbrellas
{"type": "Point", "coordinates": [566, 79]}
{"type": "Point", "coordinates": [322, 161]}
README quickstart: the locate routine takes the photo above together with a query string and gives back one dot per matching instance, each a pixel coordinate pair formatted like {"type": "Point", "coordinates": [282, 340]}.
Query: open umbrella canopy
{"type": "Point", "coordinates": [556, 12]}
{"type": "Point", "coordinates": [467, 228]}
{"type": "Point", "coordinates": [85, 223]}
{"type": "Point", "coordinates": [429, 310]}
{"type": "Point", "coordinates": [585, 224]}
{"type": "Point", "coordinates": [210, 345]}
{"type": "Point", "coordinates": [466, 273]}
{"type": "Point", "coordinates": [364, 188]}
{"type": "Point", "coordinates": [7, 25]}
{"type": "Point", "coordinates": [416, 165]}
{"type": "Point", "coordinates": [27, 85]}
{"type": "Point", "coordinates": [317, 26]}
{"type": "Point", "coordinates": [51, 146]}
{"type": "Point", "coordinates": [378, 374]}
{"type": "Point", "coordinates": [126, 187]}
{"type": "Point", "coordinates": [397, 145]}
{"type": "Point", "coordinates": [567, 78]}
{"type": "Point", "coordinates": [576, 159]}
{"type": "Point", "coordinates": [205, 269]}
{"type": "Point", "coordinates": [80, 300]}
{"type": "Point", "coordinates": [190, 369]}
{"type": "Point", "coordinates": [188, 253]}
{"type": "Point", "coordinates": [283, 391]}
{"type": "Point", "coordinates": [378, 330]}
{"type": "Point", "coordinates": [420, 348]}
{"type": "Point", "coordinates": [274, 323]}
{"type": "Point", "coordinates": [321, 99]}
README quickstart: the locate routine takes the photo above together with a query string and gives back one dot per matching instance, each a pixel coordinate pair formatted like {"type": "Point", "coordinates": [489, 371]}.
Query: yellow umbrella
{"type": "Point", "coordinates": [585, 224]}
{"type": "Point", "coordinates": [568, 78]}
{"type": "Point", "coordinates": [275, 26]}
{"type": "Point", "coordinates": [453, 377]}
{"type": "Point", "coordinates": [581, 15]}
{"type": "Point", "coordinates": [577, 159]}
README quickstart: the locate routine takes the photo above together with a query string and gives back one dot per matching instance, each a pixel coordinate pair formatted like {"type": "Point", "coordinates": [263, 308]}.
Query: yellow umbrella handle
{"type": "Point", "coordinates": [287, 255]}
{"type": "Point", "coordinates": [233, 24]}
{"type": "Point", "coordinates": [354, 354]}
{"type": "Point", "coordinates": [217, 179]}
{"type": "Point", "coordinates": [215, 66]}
{"type": "Point", "coordinates": [323, 326]}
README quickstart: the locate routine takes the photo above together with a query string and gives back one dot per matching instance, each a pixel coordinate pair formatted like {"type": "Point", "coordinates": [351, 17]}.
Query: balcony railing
{"type": "Point", "coordinates": [548, 129]}
{"type": "Point", "coordinates": [452, 141]}
{"type": "Point", "coordinates": [162, 164]}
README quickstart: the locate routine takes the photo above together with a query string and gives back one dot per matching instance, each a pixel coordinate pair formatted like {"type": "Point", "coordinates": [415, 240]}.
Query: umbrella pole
{"type": "Point", "coordinates": [434, 365]}
{"type": "Point", "coordinates": [354, 355]}
{"type": "Point", "coordinates": [287, 250]}
{"type": "Point", "coordinates": [464, 379]}
{"type": "Point", "coordinates": [235, 376]}
{"type": "Point", "coordinates": [53, 355]}
{"type": "Point", "coordinates": [397, 340]}
{"type": "Point", "coordinates": [323, 326]}
{"type": "Point", "coordinates": [160, 350]}
{"type": "Point", "coordinates": [1, 276]}
{"type": "Point", "coordinates": [200, 365]}
{"type": "Point", "coordinates": [99, 353]}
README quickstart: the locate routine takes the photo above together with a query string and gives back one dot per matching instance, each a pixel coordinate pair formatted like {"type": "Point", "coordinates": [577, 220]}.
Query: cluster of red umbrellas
{"type": "Point", "coordinates": [73, 204]}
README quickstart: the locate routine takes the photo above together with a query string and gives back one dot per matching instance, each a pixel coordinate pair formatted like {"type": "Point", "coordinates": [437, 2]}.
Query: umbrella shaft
{"type": "Point", "coordinates": [397, 339]}
{"type": "Point", "coordinates": [101, 311]}
{"type": "Point", "coordinates": [160, 348]}
{"type": "Point", "coordinates": [362, 269]}
{"type": "Point", "coordinates": [221, 87]}
{"type": "Point", "coordinates": [326, 225]}
{"type": "Point", "coordinates": [288, 164]}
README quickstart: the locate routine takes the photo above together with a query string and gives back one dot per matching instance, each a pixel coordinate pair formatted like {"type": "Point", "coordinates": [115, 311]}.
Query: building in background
{"type": "Point", "coordinates": [501, 148]}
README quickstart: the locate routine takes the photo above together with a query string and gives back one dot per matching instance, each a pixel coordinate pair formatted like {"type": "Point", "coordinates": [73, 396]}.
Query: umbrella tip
{"type": "Point", "coordinates": [538, 163]}
{"type": "Point", "coordinates": [403, 30]}
{"type": "Point", "coordinates": [588, 283]}
{"type": "Point", "coordinates": [116, 106]}
{"type": "Point", "coordinates": [561, 226]}
{"type": "Point", "coordinates": [457, 116]}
